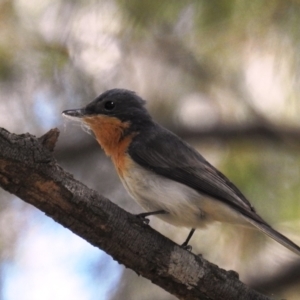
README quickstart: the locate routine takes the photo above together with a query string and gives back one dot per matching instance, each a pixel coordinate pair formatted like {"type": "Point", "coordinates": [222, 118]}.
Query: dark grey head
{"type": "Point", "coordinates": [120, 103]}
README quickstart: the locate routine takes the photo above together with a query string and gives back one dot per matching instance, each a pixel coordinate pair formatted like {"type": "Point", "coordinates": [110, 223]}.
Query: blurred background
{"type": "Point", "coordinates": [224, 75]}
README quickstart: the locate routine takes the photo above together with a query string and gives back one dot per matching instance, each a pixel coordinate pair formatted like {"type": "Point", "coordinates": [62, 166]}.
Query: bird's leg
{"type": "Point", "coordinates": [185, 244]}
{"type": "Point", "coordinates": [151, 213]}
{"type": "Point", "coordinates": [147, 214]}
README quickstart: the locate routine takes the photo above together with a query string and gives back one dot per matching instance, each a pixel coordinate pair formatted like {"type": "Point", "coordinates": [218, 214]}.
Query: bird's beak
{"type": "Point", "coordinates": [74, 113]}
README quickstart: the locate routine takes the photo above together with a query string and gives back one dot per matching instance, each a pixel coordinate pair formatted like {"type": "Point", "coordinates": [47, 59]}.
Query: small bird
{"type": "Point", "coordinates": [163, 173]}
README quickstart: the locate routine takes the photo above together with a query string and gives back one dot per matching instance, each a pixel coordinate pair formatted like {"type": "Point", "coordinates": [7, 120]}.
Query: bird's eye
{"type": "Point", "coordinates": [109, 105]}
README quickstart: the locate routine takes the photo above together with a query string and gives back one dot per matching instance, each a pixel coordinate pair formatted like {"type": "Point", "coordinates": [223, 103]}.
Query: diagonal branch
{"type": "Point", "coordinates": [28, 170]}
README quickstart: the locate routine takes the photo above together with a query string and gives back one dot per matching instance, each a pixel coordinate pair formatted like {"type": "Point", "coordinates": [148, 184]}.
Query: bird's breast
{"type": "Point", "coordinates": [154, 192]}
{"type": "Point", "coordinates": [109, 132]}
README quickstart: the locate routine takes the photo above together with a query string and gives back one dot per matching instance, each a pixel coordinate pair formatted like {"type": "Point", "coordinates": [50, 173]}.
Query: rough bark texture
{"type": "Point", "coordinates": [28, 170]}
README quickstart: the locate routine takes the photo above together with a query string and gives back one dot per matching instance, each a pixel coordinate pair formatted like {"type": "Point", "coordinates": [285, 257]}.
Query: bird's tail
{"type": "Point", "coordinates": [277, 236]}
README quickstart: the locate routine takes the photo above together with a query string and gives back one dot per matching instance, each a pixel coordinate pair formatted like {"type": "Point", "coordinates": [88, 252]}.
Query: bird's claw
{"type": "Point", "coordinates": [146, 221]}
{"type": "Point", "coordinates": [143, 218]}
{"type": "Point", "coordinates": [186, 247]}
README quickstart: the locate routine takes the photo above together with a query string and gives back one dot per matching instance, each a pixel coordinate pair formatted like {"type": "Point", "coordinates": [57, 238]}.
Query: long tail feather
{"type": "Point", "coordinates": [277, 236]}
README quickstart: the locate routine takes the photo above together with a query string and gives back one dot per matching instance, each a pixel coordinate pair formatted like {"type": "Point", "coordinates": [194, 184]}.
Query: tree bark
{"type": "Point", "coordinates": [29, 170]}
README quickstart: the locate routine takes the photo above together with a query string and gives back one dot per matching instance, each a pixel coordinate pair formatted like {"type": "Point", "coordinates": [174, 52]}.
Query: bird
{"type": "Point", "coordinates": [162, 172]}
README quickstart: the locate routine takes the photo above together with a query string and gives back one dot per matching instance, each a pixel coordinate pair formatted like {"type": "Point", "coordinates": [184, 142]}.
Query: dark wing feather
{"type": "Point", "coordinates": [166, 154]}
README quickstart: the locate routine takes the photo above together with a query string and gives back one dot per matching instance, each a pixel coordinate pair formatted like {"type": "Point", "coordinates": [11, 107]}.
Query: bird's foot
{"type": "Point", "coordinates": [147, 214]}
{"type": "Point", "coordinates": [186, 247]}
{"type": "Point", "coordinates": [143, 218]}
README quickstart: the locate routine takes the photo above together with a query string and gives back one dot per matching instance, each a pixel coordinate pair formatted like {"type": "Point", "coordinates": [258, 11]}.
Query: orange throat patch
{"type": "Point", "coordinates": [109, 132]}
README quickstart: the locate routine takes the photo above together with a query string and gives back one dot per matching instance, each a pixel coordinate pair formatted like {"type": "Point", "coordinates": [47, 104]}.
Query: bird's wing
{"type": "Point", "coordinates": [164, 153]}
{"type": "Point", "coordinates": [167, 155]}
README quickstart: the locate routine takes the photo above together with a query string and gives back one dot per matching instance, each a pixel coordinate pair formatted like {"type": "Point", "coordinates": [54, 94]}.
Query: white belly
{"type": "Point", "coordinates": [185, 206]}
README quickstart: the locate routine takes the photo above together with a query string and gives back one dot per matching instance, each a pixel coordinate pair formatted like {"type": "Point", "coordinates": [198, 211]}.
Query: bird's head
{"type": "Point", "coordinates": [112, 116]}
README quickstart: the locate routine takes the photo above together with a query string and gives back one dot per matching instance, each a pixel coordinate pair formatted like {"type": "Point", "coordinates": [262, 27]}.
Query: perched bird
{"type": "Point", "coordinates": [164, 174]}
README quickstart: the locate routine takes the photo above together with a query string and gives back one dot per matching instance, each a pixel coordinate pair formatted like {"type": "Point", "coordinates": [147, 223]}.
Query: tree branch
{"type": "Point", "coordinates": [28, 170]}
